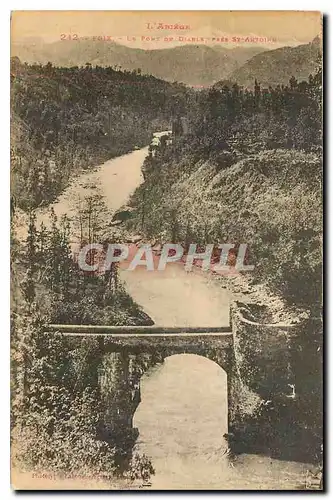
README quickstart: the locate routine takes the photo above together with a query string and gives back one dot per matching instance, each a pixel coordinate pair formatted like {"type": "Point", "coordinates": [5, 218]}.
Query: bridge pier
{"type": "Point", "coordinates": [225, 358]}
{"type": "Point", "coordinates": [233, 392]}
{"type": "Point", "coordinates": [120, 396]}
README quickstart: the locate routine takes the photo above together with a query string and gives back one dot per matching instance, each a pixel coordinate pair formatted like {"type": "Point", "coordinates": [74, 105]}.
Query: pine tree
{"type": "Point", "coordinates": [257, 92]}
{"type": "Point", "coordinates": [28, 284]}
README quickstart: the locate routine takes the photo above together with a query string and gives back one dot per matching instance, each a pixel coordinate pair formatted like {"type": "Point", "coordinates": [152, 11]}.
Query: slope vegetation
{"type": "Point", "coordinates": [65, 119]}
{"type": "Point", "coordinates": [275, 67]}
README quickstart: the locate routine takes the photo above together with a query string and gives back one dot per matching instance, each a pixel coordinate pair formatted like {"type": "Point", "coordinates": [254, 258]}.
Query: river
{"type": "Point", "coordinates": [182, 416]}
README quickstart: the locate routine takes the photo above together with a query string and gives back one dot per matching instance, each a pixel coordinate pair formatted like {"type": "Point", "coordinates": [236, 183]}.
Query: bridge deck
{"type": "Point", "coordinates": [139, 330]}
{"type": "Point", "coordinates": [148, 335]}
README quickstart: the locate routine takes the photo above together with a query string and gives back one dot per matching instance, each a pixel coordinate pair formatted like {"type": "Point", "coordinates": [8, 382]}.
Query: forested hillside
{"type": "Point", "coordinates": [249, 154]}
{"type": "Point", "coordinates": [275, 67]}
{"type": "Point", "coordinates": [66, 119]}
{"type": "Point", "coordinates": [54, 385]}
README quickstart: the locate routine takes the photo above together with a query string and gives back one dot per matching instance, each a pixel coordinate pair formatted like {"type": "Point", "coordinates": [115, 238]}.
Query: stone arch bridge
{"type": "Point", "coordinates": [126, 353]}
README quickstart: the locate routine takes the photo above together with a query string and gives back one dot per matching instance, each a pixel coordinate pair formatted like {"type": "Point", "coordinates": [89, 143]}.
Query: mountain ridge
{"type": "Point", "coordinates": [194, 65]}
{"type": "Point", "coordinates": [275, 67]}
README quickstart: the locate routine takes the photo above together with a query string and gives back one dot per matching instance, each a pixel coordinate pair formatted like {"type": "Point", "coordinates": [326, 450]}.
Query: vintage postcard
{"type": "Point", "coordinates": [166, 250]}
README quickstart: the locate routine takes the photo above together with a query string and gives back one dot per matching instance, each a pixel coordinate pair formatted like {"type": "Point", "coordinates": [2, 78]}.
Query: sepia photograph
{"type": "Point", "coordinates": [166, 250]}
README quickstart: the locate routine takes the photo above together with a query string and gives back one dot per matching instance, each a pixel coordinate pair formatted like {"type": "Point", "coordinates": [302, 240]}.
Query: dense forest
{"type": "Point", "coordinates": [67, 119]}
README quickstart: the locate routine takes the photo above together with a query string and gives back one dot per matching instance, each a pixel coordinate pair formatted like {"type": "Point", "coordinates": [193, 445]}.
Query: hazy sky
{"type": "Point", "coordinates": [136, 28]}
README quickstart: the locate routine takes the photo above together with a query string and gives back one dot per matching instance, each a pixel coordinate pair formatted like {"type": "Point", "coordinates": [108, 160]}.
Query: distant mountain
{"type": "Point", "coordinates": [196, 65]}
{"type": "Point", "coordinates": [275, 67]}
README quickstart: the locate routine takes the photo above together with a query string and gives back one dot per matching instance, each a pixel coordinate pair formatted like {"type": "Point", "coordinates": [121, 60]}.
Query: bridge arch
{"type": "Point", "coordinates": [122, 370]}
{"type": "Point", "coordinates": [177, 409]}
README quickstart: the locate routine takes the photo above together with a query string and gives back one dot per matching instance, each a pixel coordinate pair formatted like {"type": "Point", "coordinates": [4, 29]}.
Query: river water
{"type": "Point", "coordinates": [182, 419]}
{"type": "Point", "coordinates": [183, 413]}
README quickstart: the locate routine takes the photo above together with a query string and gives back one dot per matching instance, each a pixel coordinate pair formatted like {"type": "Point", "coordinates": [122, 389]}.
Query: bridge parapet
{"type": "Point", "coordinates": [150, 337]}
